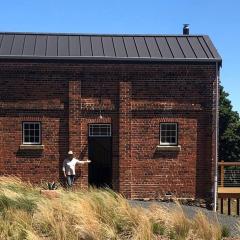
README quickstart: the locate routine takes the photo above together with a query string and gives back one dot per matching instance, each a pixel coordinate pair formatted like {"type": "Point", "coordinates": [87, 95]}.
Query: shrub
{"type": "Point", "coordinates": [225, 231]}
{"type": "Point", "coordinates": [158, 228]}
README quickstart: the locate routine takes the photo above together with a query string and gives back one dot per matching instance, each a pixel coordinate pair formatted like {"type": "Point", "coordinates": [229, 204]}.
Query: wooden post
{"type": "Point", "coordinates": [237, 206]}
{"type": "Point", "coordinates": [229, 206]}
{"type": "Point", "coordinates": [222, 175]}
{"type": "Point", "coordinates": [221, 206]}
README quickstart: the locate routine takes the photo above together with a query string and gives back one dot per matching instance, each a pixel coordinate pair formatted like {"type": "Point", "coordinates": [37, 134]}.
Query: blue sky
{"type": "Point", "coordinates": [219, 19]}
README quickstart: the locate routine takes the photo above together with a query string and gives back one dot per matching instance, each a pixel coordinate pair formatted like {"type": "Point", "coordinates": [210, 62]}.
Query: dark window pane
{"type": "Point", "coordinates": [95, 131]}
{"type": "Point", "coordinates": [32, 126]}
{"type": "Point", "coordinates": [168, 135]}
{"type": "Point", "coordinates": [163, 126]}
{"type": "Point", "coordinates": [31, 139]}
{"type": "Point", "coordinates": [37, 139]}
{"type": "Point", "coordinates": [26, 126]}
{"type": "Point", "coordinates": [37, 132]}
{"type": "Point", "coordinates": [31, 133]}
{"type": "Point", "coordinates": [36, 126]}
{"type": "Point", "coordinates": [172, 133]}
{"type": "Point", "coordinates": [163, 133]}
{"type": "Point", "coordinates": [26, 132]}
{"type": "Point", "coordinates": [104, 131]}
{"type": "Point", "coordinates": [168, 139]}
{"type": "Point", "coordinates": [163, 139]}
{"type": "Point", "coordinates": [26, 139]}
{"type": "Point", "coordinates": [173, 140]}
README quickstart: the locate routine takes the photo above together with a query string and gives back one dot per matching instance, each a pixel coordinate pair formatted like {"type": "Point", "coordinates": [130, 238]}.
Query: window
{"type": "Point", "coordinates": [168, 134]}
{"type": "Point", "coordinates": [31, 133]}
{"type": "Point", "coordinates": [99, 130]}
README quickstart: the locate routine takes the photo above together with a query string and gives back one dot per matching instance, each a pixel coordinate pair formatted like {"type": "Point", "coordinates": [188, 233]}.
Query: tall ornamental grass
{"type": "Point", "coordinates": [93, 214]}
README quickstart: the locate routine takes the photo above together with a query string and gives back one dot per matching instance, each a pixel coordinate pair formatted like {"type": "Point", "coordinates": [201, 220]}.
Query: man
{"type": "Point", "coordinates": [69, 167]}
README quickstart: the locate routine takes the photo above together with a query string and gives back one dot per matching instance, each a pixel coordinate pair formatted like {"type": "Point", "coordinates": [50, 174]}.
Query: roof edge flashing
{"type": "Point", "coordinates": [100, 58]}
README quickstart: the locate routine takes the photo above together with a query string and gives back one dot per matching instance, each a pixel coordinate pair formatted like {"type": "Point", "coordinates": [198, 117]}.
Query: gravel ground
{"type": "Point", "coordinates": [225, 220]}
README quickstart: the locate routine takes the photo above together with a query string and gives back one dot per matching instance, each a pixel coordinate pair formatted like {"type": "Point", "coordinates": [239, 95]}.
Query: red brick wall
{"type": "Point", "coordinates": [135, 98]}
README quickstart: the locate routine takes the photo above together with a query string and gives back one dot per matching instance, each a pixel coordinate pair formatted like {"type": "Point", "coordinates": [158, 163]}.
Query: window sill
{"type": "Point", "coordinates": [169, 148]}
{"type": "Point", "coordinates": [31, 147]}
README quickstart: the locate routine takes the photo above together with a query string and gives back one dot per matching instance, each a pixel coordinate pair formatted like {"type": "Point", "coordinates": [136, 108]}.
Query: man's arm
{"type": "Point", "coordinates": [82, 162]}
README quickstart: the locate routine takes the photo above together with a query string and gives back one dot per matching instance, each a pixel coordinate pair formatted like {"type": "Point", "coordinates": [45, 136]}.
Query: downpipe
{"type": "Point", "coordinates": [216, 140]}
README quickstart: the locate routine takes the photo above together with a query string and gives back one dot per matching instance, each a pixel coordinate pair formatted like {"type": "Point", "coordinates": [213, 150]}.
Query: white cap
{"type": "Point", "coordinates": [70, 153]}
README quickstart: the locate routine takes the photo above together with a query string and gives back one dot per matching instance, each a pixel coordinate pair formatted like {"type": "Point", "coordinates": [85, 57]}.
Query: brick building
{"type": "Point", "coordinates": [142, 108]}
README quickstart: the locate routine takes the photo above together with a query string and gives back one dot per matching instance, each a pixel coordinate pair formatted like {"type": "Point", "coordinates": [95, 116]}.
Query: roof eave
{"type": "Point", "coordinates": [100, 58]}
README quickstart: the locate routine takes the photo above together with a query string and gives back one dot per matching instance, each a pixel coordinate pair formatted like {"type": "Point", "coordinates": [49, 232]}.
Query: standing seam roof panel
{"type": "Point", "coordinates": [63, 46]}
{"type": "Point", "coordinates": [6, 45]}
{"type": "Point", "coordinates": [86, 48]}
{"type": "Point", "coordinates": [163, 47]}
{"type": "Point", "coordinates": [130, 47]}
{"type": "Point", "coordinates": [206, 49]}
{"type": "Point", "coordinates": [1, 37]}
{"type": "Point", "coordinates": [74, 46]}
{"type": "Point", "coordinates": [17, 47]}
{"type": "Point", "coordinates": [188, 52]}
{"type": "Point", "coordinates": [52, 46]}
{"type": "Point", "coordinates": [97, 47]}
{"type": "Point", "coordinates": [197, 47]}
{"type": "Point", "coordinates": [141, 47]}
{"type": "Point", "coordinates": [41, 45]}
{"type": "Point", "coordinates": [108, 46]}
{"type": "Point", "coordinates": [175, 48]}
{"type": "Point", "coordinates": [29, 45]}
{"type": "Point", "coordinates": [152, 47]}
{"type": "Point", "coordinates": [119, 47]}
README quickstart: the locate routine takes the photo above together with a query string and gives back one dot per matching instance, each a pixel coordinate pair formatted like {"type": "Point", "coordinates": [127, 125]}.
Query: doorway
{"type": "Point", "coordinates": [100, 153]}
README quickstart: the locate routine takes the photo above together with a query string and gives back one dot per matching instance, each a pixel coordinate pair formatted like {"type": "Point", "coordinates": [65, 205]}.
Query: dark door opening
{"type": "Point", "coordinates": [100, 153]}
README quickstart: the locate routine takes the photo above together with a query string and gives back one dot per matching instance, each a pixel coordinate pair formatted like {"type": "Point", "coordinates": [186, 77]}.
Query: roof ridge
{"type": "Point", "coordinates": [103, 34]}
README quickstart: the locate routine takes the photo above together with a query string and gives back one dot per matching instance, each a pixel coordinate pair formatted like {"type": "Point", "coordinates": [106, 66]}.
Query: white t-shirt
{"type": "Point", "coordinates": [69, 166]}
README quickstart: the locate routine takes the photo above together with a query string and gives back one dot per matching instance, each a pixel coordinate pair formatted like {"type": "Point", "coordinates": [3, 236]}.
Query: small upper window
{"type": "Point", "coordinates": [99, 130]}
{"type": "Point", "coordinates": [168, 134]}
{"type": "Point", "coordinates": [31, 133]}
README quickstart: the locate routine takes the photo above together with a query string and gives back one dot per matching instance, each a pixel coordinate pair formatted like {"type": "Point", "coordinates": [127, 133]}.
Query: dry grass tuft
{"type": "Point", "coordinates": [94, 214]}
{"type": "Point", "coordinates": [205, 229]}
{"type": "Point", "coordinates": [181, 225]}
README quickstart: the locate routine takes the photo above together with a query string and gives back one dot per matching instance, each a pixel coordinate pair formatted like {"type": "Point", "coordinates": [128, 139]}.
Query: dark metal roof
{"type": "Point", "coordinates": [107, 47]}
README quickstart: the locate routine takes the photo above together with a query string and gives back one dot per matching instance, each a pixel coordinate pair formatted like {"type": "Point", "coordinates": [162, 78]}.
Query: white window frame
{"type": "Point", "coordinates": [176, 136]}
{"type": "Point", "coordinates": [99, 125]}
{"type": "Point", "coordinates": [23, 133]}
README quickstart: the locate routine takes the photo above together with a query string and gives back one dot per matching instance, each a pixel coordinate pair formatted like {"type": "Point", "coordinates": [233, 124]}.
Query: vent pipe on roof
{"type": "Point", "coordinates": [185, 29]}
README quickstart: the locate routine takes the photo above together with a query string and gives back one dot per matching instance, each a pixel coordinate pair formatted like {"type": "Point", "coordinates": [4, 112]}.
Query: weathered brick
{"type": "Point", "coordinates": [135, 98]}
